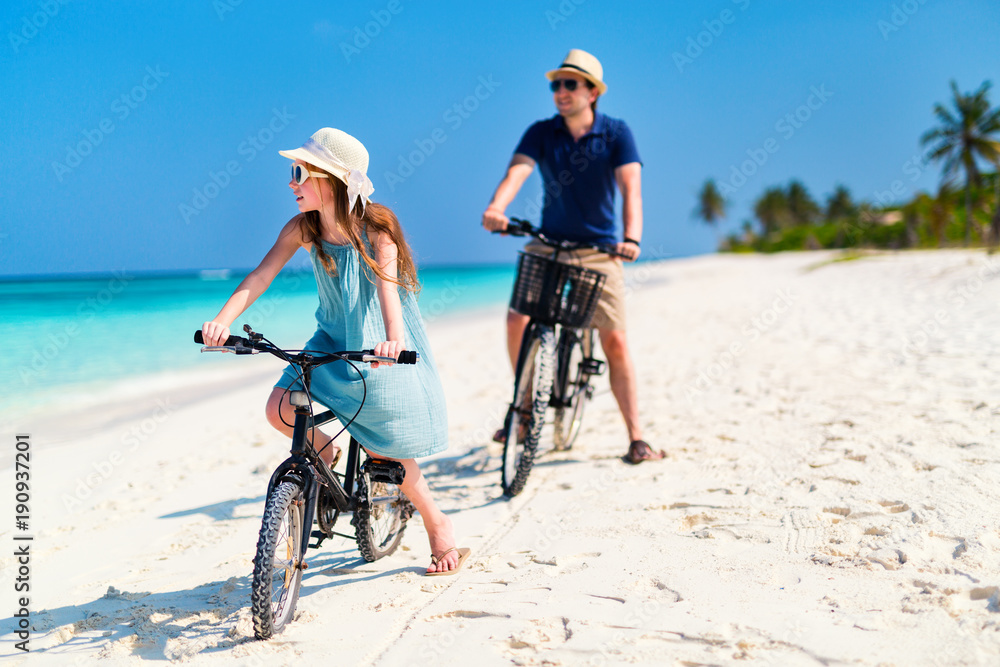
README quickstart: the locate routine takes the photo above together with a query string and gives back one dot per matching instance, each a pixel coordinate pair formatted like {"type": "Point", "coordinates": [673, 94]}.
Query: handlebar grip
{"type": "Point", "coordinates": [519, 227]}
{"type": "Point", "coordinates": [407, 357]}
{"type": "Point", "coordinates": [609, 249]}
{"type": "Point", "coordinates": [231, 341]}
{"type": "Point", "coordinates": [516, 227]}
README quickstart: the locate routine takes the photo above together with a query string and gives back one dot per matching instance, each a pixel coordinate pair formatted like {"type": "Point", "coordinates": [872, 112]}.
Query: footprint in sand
{"type": "Point", "coordinates": [540, 633]}
{"type": "Point", "coordinates": [894, 506]}
{"type": "Point", "coordinates": [802, 530]}
{"type": "Point", "coordinates": [692, 520]}
{"type": "Point", "coordinates": [566, 563]}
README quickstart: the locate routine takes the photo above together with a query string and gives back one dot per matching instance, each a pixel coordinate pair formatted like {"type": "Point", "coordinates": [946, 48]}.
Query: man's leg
{"type": "Point", "coordinates": [516, 324]}
{"type": "Point", "coordinates": [621, 373]}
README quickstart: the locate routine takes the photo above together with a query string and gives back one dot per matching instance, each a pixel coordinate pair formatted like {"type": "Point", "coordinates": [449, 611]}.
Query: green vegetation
{"type": "Point", "coordinates": [788, 218]}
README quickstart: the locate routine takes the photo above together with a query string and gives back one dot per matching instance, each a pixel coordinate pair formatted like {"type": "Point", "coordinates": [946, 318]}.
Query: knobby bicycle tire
{"type": "Point", "coordinates": [534, 378]}
{"type": "Point", "coordinates": [277, 567]}
{"type": "Point", "coordinates": [573, 349]}
{"type": "Point", "coordinates": [379, 525]}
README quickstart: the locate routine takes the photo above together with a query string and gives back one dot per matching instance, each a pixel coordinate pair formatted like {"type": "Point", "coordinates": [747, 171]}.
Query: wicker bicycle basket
{"type": "Point", "coordinates": [556, 293]}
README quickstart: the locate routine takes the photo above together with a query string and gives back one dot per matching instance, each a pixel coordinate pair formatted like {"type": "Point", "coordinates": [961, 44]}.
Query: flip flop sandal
{"type": "Point", "coordinates": [463, 554]}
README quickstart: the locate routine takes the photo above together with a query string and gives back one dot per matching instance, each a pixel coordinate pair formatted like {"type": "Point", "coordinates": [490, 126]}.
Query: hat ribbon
{"type": "Point", "coordinates": [358, 183]}
{"type": "Point", "coordinates": [576, 67]}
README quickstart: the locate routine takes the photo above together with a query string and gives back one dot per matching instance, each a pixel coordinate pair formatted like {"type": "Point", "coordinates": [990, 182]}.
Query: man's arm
{"type": "Point", "coordinates": [518, 170]}
{"type": "Point", "coordinates": [629, 177]}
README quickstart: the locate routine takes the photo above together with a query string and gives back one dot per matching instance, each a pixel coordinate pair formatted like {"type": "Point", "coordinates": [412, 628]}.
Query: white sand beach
{"type": "Point", "coordinates": [831, 494]}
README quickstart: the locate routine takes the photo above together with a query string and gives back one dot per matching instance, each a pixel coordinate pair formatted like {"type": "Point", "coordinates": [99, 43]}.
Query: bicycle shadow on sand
{"type": "Point", "coordinates": [209, 618]}
{"type": "Point", "coordinates": [223, 511]}
{"type": "Point", "coordinates": [171, 625]}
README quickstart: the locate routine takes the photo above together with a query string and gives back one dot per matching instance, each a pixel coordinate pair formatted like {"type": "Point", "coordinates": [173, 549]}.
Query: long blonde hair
{"type": "Point", "coordinates": [376, 219]}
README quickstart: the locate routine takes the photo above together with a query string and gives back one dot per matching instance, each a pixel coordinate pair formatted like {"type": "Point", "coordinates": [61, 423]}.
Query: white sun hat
{"type": "Point", "coordinates": [343, 156]}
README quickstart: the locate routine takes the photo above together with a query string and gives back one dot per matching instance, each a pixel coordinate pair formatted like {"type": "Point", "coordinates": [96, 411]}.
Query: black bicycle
{"type": "Point", "coordinates": [304, 488]}
{"type": "Point", "coordinates": [556, 360]}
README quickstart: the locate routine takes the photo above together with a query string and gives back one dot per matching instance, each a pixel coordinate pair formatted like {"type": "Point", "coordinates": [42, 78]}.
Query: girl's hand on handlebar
{"type": "Point", "coordinates": [389, 348]}
{"type": "Point", "coordinates": [494, 220]}
{"type": "Point", "coordinates": [214, 333]}
{"type": "Point", "coordinates": [628, 251]}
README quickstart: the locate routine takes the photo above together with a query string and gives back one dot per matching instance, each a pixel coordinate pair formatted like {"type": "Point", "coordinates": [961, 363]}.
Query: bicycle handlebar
{"type": "Point", "coordinates": [240, 345]}
{"type": "Point", "coordinates": [519, 227]}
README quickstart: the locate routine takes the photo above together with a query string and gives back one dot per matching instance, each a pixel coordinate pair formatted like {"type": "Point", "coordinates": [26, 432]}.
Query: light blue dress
{"type": "Point", "coordinates": [404, 414]}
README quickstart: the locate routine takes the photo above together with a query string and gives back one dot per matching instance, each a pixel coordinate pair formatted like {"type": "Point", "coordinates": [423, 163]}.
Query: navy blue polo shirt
{"type": "Point", "coordinates": [579, 176]}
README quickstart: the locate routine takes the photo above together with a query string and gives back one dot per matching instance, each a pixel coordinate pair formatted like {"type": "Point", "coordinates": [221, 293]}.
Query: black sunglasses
{"type": "Point", "coordinates": [570, 85]}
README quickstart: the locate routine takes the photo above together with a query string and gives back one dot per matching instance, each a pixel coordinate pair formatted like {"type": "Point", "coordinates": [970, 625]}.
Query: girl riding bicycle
{"type": "Point", "coordinates": [367, 284]}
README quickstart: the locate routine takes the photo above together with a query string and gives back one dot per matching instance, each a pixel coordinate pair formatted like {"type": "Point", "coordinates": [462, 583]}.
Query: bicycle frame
{"type": "Point", "coordinates": [304, 467]}
{"type": "Point", "coordinates": [585, 334]}
{"type": "Point", "coordinates": [309, 472]}
{"type": "Point", "coordinates": [546, 352]}
{"type": "Point", "coordinates": [304, 489]}
{"type": "Point", "coordinates": [560, 398]}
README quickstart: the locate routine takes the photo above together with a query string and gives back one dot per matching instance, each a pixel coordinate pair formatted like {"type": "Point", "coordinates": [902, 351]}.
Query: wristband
{"type": "Point", "coordinates": [628, 240]}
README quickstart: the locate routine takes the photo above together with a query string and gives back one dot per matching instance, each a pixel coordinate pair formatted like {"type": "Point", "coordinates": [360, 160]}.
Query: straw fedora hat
{"type": "Point", "coordinates": [340, 154]}
{"type": "Point", "coordinates": [580, 62]}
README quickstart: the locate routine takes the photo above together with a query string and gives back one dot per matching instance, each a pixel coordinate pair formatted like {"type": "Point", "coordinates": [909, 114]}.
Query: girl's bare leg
{"type": "Point", "coordinates": [280, 414]}
{"type": "Point", "coordinates": [439, 529]}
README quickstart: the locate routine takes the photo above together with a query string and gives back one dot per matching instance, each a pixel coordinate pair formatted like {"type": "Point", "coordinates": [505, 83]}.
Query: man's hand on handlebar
{"type": "Point", "coordinates": [627, 251]}
{"type": "Point", "coordinates": [494, 220]}
{"type": "Point", "coordinates": [214, 333]}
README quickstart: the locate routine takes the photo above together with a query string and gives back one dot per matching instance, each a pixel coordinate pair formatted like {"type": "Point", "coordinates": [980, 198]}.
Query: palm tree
{"type": "Point", "coordinates": [711, 205]}
{"type": "Point", "coordinates": [939, 213]}
{"type": "Point", "coordinates": [963, 137]}
{"type": "Point", "coordinates": [772, 210]}
{"type": "Point", "coordinates": [914, 215]}
{"type": "Point", "coordinates": [839, 204]}
{"type": "Point", "coordinates": [995, 225]}
{"type": "Point", "coordinates": [801, 205]}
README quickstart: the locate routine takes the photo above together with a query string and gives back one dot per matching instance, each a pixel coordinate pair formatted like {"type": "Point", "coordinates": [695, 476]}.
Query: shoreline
{"type": "Point", "coordinates": [75, 397]}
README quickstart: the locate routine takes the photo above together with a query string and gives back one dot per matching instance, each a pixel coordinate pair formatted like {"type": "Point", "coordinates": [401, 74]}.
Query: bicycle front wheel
{"type": "Point", "coordinates": [381, 517]}
{"type": "Point", "coordinates": [526, 415]}
{"type": "Point", "coordinates": [574, 381]}
{"type": "Point", "coordinates": [277, 567]}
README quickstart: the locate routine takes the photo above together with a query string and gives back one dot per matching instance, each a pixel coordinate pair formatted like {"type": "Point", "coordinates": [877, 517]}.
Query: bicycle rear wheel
{"type": "Point", "coordinates": [381, 517]}
{"type": "Point", "coordinates": [574, 347]}
{"type": "Point", "coordinates": [532, 387]}
{"type": "Point", "coordinates": [277, 567]}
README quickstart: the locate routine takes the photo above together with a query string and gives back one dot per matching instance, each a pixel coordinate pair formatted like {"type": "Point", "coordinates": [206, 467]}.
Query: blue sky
{"type": "Point", "coordinates": [144, 136]}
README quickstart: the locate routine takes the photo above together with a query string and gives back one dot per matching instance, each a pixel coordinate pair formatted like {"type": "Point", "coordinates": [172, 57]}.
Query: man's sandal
{"type": "Point", "coordinates": [522, 433]}
{"type": "Point", "coordinates": [639, 451]}
{"type": "Point", "coordinates": [463, 553]}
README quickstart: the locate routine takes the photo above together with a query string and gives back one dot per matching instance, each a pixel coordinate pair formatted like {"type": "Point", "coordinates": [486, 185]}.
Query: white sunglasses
{"type": "Point", "coordinates": [300, 174]}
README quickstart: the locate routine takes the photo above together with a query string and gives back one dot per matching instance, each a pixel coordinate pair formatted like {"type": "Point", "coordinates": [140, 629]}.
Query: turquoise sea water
{"type": "Point", "coordinates": [67, 335]}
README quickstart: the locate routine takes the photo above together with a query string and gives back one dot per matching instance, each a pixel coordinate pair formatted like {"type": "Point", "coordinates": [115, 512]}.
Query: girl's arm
{"type": "Point", "coordinates": [289, 240]}
{"type": "Point", "coordinates": [386, 255]}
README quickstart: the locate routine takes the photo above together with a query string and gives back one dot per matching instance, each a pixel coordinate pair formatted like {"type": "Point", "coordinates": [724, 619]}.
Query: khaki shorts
{"type": "Point", "coordinates": [610, 312]}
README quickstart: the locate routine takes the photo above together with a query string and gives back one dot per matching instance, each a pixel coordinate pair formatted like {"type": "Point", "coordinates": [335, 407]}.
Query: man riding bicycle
{"type": "Point", "coordinates": [581, 155]}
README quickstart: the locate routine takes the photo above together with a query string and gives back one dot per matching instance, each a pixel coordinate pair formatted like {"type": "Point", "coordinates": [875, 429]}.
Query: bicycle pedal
{"type": "Point", "coordinates": [388, 472]}
{"type": "Point", "coordinates": [592, 366]}
{"type": "Point", "coordinates": [320, 537]}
